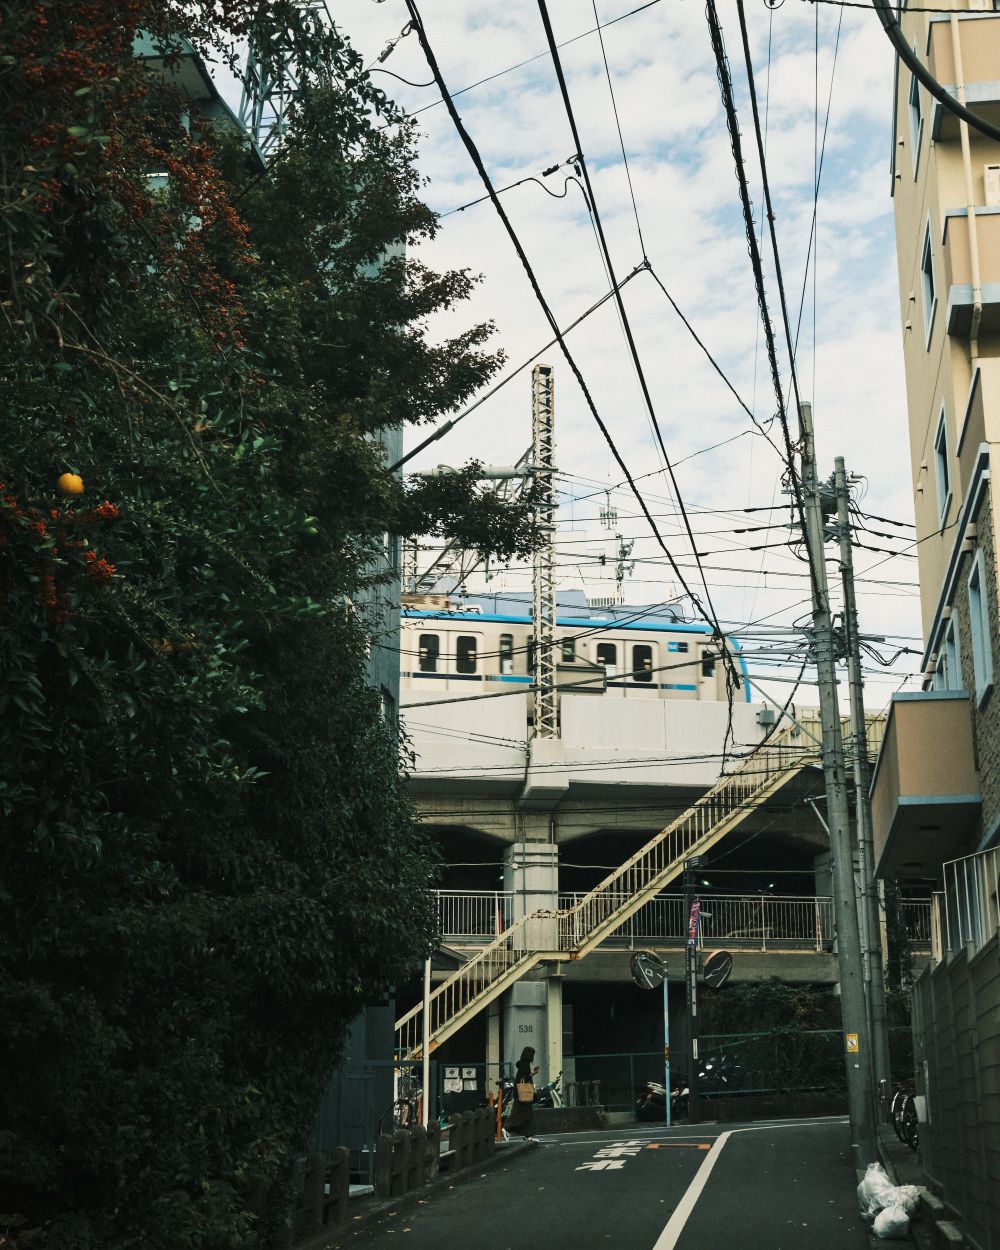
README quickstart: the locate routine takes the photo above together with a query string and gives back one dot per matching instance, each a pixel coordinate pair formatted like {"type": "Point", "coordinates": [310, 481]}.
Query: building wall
{"type": "Point", "coordinates": [986, 713]}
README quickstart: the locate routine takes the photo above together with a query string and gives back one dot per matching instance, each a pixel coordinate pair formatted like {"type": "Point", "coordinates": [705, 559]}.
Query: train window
{"type": "Point", "coordinates": [568, 650]}
{"type": "Point", "coordinates": [642, 662]}
{"type": "Point", "coordinates": [465, 654]}
{"type": "Point", "coordinates": [430, 649]}
{"type": "Point", "coordinates": [506, 653]}
{"type": "Point", "coordinates": [607, 654]}
{"type": "Point", "coordinates": [677, 646]}
{"type": "Point", "coordinates": [708, 664]}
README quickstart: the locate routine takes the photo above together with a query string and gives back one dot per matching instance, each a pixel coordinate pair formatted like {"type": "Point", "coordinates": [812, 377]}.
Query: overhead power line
{"type": "Point", "coordinates": [442, 430]}
{"type": "Point", "coordinates": [623, 314]}
{"type": "Point", "coordinates": [477, 160]}
{"type": "Point", "coordinates": [732, 122]}
{"type": "Point", "coordinates": [537, 57]}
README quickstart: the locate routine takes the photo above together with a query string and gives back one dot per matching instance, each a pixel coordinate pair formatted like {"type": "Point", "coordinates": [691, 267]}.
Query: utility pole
{"type": "Point", "coordinates": [691, 989]}
{"type": "Point", "coordinates": [857, 1055]}
{"type": "Point", "coordinates": [871, 921]}
{"type": "Point", "coordinates": [543, 614]}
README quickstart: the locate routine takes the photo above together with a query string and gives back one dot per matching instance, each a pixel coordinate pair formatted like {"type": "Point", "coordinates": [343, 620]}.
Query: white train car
{"type": "Point", "coordinates": [620, 652]}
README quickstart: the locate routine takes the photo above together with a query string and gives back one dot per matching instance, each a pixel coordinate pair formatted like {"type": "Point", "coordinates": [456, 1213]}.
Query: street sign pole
{"type": "Point", "coordinates": [666, 1044]}
{"type": "Point", "coordinates": [691, 982]}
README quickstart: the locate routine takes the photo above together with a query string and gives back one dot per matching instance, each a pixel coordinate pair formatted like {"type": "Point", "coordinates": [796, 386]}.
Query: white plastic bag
{"type": "Point", "coordinates": [907, 1197]}
{"type": "Point", "coordinates": [876, 1191]}
{"type": "Point", "coordinates": [892, 1224]}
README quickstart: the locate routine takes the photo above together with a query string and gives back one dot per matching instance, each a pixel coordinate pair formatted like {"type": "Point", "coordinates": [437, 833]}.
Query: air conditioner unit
{"type": "Point", "coordinates": [991, 183]}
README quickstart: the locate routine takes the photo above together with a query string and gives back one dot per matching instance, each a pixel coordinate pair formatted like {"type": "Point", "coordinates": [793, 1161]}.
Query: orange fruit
{"type": "Point", "coordinates": [70, 484]}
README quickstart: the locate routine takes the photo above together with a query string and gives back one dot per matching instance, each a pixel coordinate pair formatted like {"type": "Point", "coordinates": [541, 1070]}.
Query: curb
{"type": "Point", "coordinates": [374, 1211]}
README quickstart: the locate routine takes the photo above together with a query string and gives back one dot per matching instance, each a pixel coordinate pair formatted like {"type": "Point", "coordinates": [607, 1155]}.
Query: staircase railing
{"type": "Point", "coordinates": [572, 933]}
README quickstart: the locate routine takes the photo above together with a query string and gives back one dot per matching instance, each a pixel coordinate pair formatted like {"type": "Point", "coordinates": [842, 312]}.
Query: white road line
{"type": "Point", "coordinates": [668, 1239]}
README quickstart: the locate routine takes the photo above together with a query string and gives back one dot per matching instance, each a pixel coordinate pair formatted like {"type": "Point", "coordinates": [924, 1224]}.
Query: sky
{"type": "Point", "coordinates": [807, 58]}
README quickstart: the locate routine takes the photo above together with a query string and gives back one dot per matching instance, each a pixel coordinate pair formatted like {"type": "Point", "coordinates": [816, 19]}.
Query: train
{"type": "Point", "coordinates": [647, 652]}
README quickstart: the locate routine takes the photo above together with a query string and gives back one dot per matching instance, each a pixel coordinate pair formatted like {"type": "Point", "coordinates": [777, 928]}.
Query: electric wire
{"type": "Point", "coordinates": [633, 351]}
{"type": "Point", "coordinates": [729, 105]}
{"type": "Point", "coordinates": [543, 303]}
{"type": "Point", "coordinates": [442, 430]}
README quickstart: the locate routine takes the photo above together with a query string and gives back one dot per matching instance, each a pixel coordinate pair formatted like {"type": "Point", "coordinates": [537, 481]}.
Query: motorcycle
{"type": "Point", "coordinates": [652, 1101]}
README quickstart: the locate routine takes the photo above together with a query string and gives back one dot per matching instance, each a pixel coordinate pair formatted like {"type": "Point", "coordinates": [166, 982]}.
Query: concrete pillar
{"type": "Point", "coordinates": [524, 1022]}
{"type": "Point", "coordinates": [531, 873]}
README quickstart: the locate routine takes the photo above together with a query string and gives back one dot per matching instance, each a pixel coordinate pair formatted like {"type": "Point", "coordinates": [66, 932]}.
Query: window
{"type": "Point", "coordinates": [465, 654]}
{"type": "Point", "coordinates": [388, 703]}
{"type": "Point", "coordinates": [979, 624]}
{"type": "Point", "coordinates": [607, 654]}
{"type": "Point", "coordinates": [430, 648]}
{"type": "Point", "coordinates": [568, 650]}
{"type": "Point", "coordinates": [642, 662]}
{"type": "Point", "coordinates": [506, 653]}
{"type": "Point", "coordinates": [916, 122]}
{"type": "Point", "coordinates": [927, 282]}
{"type": "Point", "coordinates": [677, 646]}
{"type": "Point", "coordinates": [948, 674]}
{"type": "Point", "coordinates": [708, 664]}
{"type": "Point", "coordinates": [941, 467]}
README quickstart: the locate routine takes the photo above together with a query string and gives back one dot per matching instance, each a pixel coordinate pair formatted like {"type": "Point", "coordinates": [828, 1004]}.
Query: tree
{"type": "Point", "coordinates": [207, 860]}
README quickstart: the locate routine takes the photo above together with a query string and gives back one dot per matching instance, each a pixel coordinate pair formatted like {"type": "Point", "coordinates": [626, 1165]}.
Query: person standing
{"type": "Point", "coordinates": [521, 1113]}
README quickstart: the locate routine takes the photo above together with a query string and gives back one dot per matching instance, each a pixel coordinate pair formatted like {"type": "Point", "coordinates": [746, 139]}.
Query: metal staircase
{"type": "Point", "coordinates": [571, 934]}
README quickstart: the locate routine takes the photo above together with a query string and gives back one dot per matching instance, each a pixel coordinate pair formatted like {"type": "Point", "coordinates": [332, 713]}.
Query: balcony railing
{"type": "Point", "coordinates": [968, 909]}
{"type": "Point", "coordinates": [746, 921]}
{"type": "Point", "coordinates": [474, 916]}
{"type": "Point", "coordinates": [917, 919]}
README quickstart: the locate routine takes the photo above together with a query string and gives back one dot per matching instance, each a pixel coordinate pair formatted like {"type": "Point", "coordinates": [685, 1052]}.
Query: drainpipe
{"type": "Point", "coordinates": [970, 199]}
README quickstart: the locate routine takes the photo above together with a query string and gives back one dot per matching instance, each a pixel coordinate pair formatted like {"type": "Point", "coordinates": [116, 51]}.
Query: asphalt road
{"type": "Point", "coordinates": [783, 1185]}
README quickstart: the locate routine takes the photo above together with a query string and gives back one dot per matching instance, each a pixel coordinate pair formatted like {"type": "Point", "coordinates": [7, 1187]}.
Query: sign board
{"type": "Point", "coordinates": [852, 1043]}
{"type": "Point", "coordinates": [450, 1073]}
{"type": "Point", "coordinates": [648, 970]}
{"type": "Point", "coordinates": [693, 922]}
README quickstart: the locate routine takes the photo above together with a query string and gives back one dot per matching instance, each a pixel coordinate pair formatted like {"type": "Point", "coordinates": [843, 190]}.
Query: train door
{"type": "Point", "coordinates": [644, 677]}
{"type": "Point", "coordinates": [708, 672]}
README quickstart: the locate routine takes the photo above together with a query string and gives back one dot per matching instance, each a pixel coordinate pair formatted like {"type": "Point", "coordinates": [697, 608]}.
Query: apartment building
{"type": "Point", "coordinates": [936, 788]}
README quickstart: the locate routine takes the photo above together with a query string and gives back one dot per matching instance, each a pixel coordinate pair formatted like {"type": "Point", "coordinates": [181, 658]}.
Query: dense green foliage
{"type": "Point", "coordinates": [207, 862]}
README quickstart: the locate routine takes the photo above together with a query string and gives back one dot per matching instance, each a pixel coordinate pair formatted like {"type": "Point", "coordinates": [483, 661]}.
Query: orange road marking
{"type": "Point", "coordinates": [679, 1145]}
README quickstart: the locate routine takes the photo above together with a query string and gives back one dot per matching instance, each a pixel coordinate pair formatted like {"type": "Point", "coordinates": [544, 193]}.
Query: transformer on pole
{"type": "Point", "coordinates": [543, 615]}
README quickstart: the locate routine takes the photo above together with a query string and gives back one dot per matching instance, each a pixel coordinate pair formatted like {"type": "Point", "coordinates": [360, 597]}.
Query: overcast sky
{"type": "Point", "coordinates": [682, 170]}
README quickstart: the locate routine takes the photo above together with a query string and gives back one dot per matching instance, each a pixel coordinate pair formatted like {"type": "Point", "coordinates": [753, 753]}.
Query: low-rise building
{"type": "Point", "coordinates": [936, 789]}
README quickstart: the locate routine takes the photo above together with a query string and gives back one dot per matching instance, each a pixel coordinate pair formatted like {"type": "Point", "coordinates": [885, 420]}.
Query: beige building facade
{"type": "Point", "coordinates": [936, 789]}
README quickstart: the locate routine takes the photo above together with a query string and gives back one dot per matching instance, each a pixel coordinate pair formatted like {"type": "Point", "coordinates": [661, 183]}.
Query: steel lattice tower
{"type": "Point", "coordinates": [543, 614]}
{"type": "Point", "coordinates": [272, 76]}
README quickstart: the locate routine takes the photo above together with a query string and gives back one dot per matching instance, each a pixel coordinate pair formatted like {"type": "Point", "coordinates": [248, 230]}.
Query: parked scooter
{"type": "Point", "coordinates": [652, 1101]}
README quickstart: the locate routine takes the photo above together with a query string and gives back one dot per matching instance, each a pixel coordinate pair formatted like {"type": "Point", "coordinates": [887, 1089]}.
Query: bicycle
{"type": "Point", "coordinates": [404, 1111]}
{"type": "Point", "coordinates": [905, 1121]}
